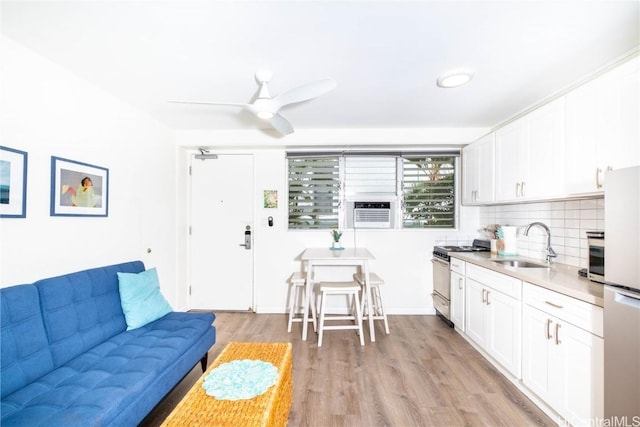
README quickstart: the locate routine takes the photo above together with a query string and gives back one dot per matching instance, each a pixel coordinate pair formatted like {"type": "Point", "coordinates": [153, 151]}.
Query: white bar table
{"type": "Point", "coordinates": [324, 256]}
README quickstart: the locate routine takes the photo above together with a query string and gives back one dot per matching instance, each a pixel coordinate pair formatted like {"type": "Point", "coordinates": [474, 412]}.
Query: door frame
{"type": "Point", "coordinates": [183, 248]}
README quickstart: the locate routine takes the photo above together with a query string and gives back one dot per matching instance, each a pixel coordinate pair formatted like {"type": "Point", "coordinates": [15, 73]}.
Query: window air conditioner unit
{"type": "Point", "coordinates": [372, 215]}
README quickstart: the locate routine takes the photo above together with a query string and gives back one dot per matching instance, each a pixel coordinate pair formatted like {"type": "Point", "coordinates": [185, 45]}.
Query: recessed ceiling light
{"type": "Point", "coordinates": [454, 79]}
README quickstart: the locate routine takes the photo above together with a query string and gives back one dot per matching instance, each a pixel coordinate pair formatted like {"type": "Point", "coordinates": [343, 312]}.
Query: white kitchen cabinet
{"type": "Point", "coordinates": [603, 128]}
{"type": "Point", "coordinates": [504, 331]}
{"type": "Point", "coordinates": [511, 163]}
{"type": "Point", "coordinates": [476, 323]}
{"type": "Point", "coordinates": [546, 151]}
{"type": "Point", "coordinates": [457, 298]}
{"type": "Point", "coordinates": [493, 315]}
{"type": "Point", "coordinates": [530, 155]}
{"type": "Point", "coordinates": [478, 164]}
{"type": "Point", "coordinates": [561, 362]}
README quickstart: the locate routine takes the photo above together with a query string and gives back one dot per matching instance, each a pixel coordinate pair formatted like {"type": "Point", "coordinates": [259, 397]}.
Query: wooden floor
{"type": "Point", "coordinates": [422, 374]}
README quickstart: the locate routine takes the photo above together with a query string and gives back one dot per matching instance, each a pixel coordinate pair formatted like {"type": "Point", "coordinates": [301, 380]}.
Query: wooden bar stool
{"type": "Point", "coordinates": [376, 298]}
{"type": "Point", "coordinates": [298, 290]}
{"type": "Point", "coordinates": [351, 290]}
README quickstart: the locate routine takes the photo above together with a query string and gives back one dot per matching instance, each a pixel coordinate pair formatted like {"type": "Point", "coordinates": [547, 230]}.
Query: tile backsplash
{"type": "Point", "coordinates": [568, 221]}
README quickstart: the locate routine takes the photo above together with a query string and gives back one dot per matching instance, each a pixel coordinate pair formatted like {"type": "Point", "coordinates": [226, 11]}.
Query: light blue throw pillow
{"type": "Point", "coordinates": [141, 299]}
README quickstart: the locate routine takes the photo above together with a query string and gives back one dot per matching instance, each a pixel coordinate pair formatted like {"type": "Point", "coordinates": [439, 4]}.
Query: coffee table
{"type": "Point", "coordinates": [268, 409]}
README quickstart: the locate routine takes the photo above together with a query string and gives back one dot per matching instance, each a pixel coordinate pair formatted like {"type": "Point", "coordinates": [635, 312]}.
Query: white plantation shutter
{"type": "Point", "coordinates": [428, 188]}
{"type": "Point", "coordinates": [320, 182]}
{"type": "Point", "coordinates": [314, 192]}
{"type": "Point", "coordinates": [370, 175]}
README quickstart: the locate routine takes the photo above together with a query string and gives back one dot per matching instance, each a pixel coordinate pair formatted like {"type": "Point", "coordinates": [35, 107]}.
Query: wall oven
{"type": "Point", "coordinates": [442, 275]}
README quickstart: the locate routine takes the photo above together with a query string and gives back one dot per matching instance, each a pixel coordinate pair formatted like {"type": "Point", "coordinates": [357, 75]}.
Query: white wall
{"type": "Point", "coordinates": [402, 256]}
{"type": "Point", "coordinates": [46, 111]}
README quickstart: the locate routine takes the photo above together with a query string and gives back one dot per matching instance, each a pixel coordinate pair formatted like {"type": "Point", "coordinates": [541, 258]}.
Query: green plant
{"type": "Point", "coordinates": [336, 235]}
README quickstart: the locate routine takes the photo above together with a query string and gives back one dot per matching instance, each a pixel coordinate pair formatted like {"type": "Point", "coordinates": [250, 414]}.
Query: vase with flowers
{"type": "Point", "coordinates": [336, 235]}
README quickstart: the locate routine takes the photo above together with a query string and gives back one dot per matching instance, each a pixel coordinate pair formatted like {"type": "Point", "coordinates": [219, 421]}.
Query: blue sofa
{"type": "Point", "coordinates": [68, 360]}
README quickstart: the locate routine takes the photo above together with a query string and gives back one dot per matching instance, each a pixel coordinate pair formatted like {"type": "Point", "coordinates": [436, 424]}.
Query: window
{"type": "Point", "coordinates": [314, 192]}
{"type": "Point", "coordinates": [320, 185]}
{"type": "Point", "coordinates": [428, 190]}
{"type": "Point", "coordinates": [370, 175]}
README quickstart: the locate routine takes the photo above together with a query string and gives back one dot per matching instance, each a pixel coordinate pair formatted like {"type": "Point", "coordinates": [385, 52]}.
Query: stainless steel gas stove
{"type": "Point", "coordinates": [442, 276]}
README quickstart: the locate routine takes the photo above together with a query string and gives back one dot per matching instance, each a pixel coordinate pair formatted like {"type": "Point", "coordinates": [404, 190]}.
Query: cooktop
{"type": "Point", "coordinates": [478, 245]}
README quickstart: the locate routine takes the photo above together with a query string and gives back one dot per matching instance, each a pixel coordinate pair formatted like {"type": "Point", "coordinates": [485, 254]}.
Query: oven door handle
{"type": "Point", "coordinates": [441, 261]}
{"type": "Point", "coordinates": [441, 298]}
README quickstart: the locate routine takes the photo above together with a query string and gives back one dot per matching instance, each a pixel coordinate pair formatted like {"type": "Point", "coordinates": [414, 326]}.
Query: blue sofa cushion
{"type": "Point", "coordinates": [141, 299]}
{"type": "Point", "coordinates": [82, 309]}
{"type": "Point", "coordinates": [119, 381]}
{"type": "Point", "coordinates": [24, 348]}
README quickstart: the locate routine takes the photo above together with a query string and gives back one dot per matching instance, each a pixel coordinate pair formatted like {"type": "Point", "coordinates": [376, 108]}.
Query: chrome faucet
{"type": "Point", "coordinates": [550, 253]}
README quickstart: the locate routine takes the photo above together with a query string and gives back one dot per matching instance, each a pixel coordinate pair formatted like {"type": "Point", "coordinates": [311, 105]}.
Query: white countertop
{"type": "Point", "coordinates": [560, 278]}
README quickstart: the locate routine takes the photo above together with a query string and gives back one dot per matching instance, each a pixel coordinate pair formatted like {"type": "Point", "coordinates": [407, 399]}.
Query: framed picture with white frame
{"type": "Point", "coordinates": [78, 189]}
{"type": "Point", "coordinates": [13, 183]}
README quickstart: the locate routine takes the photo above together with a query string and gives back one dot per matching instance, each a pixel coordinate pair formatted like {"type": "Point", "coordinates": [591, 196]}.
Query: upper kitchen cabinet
{"type": "Point", "coordinates": [478, 160]}
{"type": "Point", "coordinates": [511, 163]}
{"type": "Point", "coordinates": [530, 155]}
{"type": "Point", "coordinates": [603, 127]}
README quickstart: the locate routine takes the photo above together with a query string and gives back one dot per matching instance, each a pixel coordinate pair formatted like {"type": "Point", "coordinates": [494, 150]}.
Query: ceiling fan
{"type": "Point", "coordinates": [266, 108]}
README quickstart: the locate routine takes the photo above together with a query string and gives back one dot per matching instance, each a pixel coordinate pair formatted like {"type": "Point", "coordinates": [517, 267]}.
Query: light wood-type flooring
{"type": "Point", "coordinates": [422, 374]}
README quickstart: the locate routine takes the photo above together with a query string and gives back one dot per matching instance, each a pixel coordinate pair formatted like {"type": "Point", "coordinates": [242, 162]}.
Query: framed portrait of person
{"type": "Point", "coordinates": [78, 189]}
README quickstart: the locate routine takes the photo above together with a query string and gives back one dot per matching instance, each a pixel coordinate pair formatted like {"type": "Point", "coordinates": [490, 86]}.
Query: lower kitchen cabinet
{"type": "Point", "coordinates": [551, 343]}
{"type": "Point", "coordinates": [458, 288]}
{"type": "Point", "coordinates": [476, 323]}
{"type": "Point", "coordinates": [493, 322]}
{"type": "Point", "coordinates": [561, 362]}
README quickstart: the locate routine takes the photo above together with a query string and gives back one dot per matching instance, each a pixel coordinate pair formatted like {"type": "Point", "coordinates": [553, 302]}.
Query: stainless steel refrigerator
{"type": "Point", "coordinates": [622, 297]}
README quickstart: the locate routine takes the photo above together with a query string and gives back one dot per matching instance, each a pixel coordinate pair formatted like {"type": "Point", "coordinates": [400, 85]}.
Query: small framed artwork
{"type": "Point", "coordinates": [78, 189]}
{"type": "Point", "coordinates": [13, 183]}
{"type": "Point", "coordinates": [270, 199]}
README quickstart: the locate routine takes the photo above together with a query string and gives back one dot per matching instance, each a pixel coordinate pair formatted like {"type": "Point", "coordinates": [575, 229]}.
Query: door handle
{"type": "Point", "coordinates": [558, 342]}
{"type": "Point", "coordinates": [440, 261]}
{"type": "Point", "coordinates": [549, 322]}
{"type": "Point", "coordinates": [441, 299]}
{"type": "Point", "coordinates": [247, 238]}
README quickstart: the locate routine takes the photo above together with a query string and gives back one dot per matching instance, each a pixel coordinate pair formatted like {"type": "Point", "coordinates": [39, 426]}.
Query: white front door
{"type": "Point", "coordinates": [221, 266]}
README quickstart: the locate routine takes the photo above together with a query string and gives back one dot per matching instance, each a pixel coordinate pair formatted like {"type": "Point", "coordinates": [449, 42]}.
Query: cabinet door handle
{"type": "Point", "coordinates": [488, 297]}
{"type": "Point", "coordinates": [522, 189]}
{"type": "Point", "coordinates": [484, 295]}
{"type": "Point", "coordinates": [598, 183]}
{"type": "Point", "coordinates": [549, 322]}
{"type": "Point", "coordinates": [460, 283]}
{"type": "Point", "coordinates": [554, 305]}
{"type": "Point", "coordinates": [558, 342]}
{"type": "Point", "coordinates": [517, 189]}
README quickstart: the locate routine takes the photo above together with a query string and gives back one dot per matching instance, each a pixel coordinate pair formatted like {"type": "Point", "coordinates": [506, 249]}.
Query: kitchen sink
{"type": "Point", "coordinates": [521, 264]}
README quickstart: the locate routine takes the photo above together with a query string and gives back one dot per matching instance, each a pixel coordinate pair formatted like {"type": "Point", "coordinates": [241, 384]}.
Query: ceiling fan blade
{"type": "Point", "coordinates": [281, 124]}
{"type": "Point", "coordinates": [305, 92]}
{"type": "Point", "coordinates": [232, 104]}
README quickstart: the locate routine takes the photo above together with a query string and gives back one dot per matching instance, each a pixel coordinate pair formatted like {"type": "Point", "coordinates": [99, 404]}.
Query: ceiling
{"type": "Point", "coordinates": [384, 55]}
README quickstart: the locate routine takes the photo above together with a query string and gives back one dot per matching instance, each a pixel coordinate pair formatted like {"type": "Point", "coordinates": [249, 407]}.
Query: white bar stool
{"type": "Point", "coordinates": [298, 282]}
{"type": "Point", "coordinates": [351, 290]}
{"type": "Point", "coordinates": [377, 309]}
